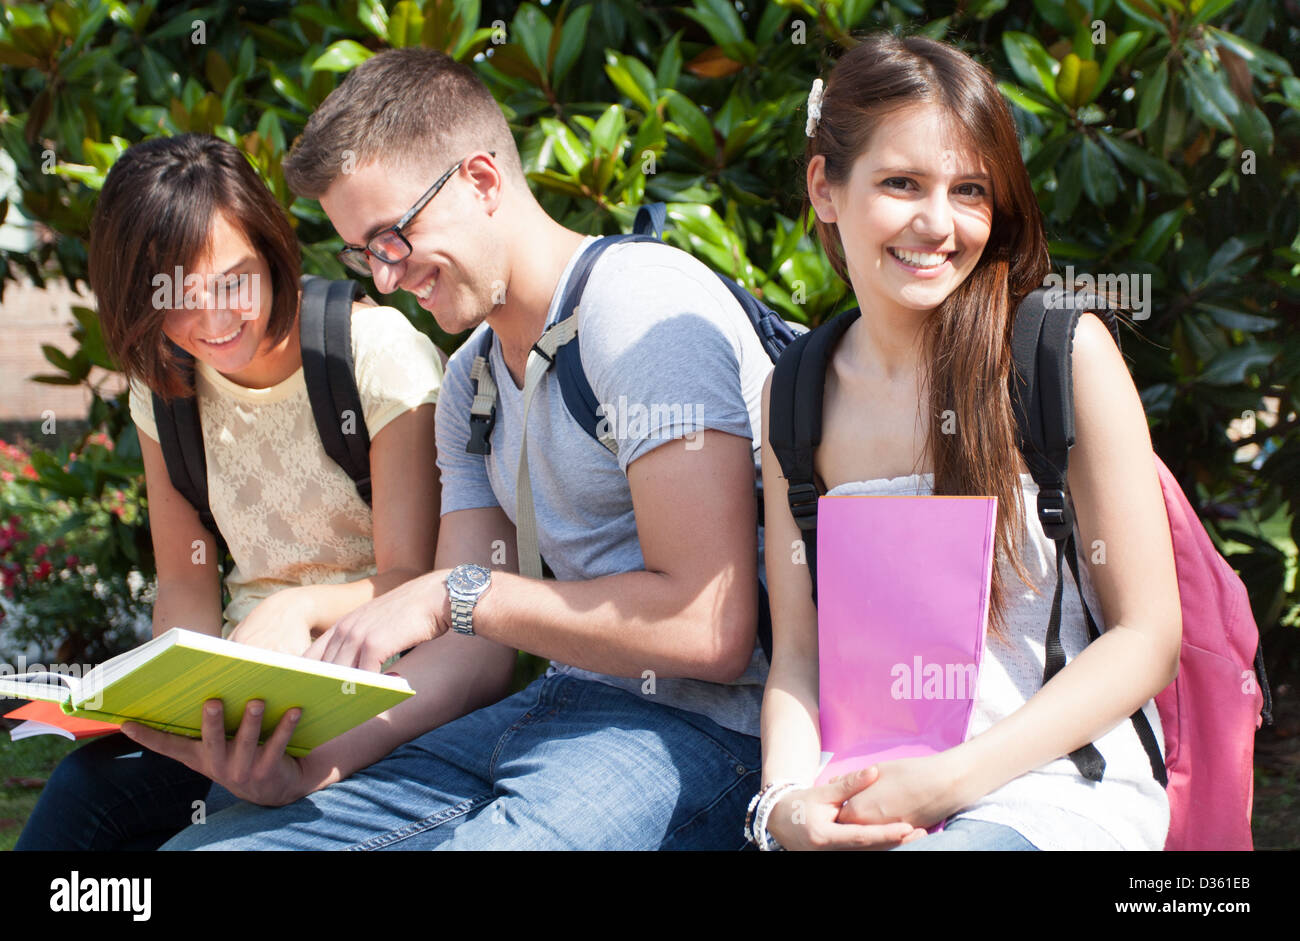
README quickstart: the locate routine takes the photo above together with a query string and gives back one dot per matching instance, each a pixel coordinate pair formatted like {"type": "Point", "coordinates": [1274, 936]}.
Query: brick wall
{"type": "Point", "coordinates": [30, 317]}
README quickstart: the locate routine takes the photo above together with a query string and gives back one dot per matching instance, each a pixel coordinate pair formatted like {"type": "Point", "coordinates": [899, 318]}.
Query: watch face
{"type": "Point", "coordinates": [468, 579]}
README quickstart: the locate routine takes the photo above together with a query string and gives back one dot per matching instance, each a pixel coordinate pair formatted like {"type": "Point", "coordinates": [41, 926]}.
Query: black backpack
{"type": "Point", "coordinates": [773, 332]}
{"type": "Point", "coordinates": [325, 332]}
{"type": "Point", "coordinates": [1042, 399]}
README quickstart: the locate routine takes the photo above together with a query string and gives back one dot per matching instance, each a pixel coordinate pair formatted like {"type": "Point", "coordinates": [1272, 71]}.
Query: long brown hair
{"type": "Point", "coordinates": [967, 360]}
{"type": "Point", "coordinates": [156, 212]}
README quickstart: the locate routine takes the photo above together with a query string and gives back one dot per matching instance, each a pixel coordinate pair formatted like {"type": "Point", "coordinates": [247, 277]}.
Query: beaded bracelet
{"type": "Point", "coordinates": [760, 811]}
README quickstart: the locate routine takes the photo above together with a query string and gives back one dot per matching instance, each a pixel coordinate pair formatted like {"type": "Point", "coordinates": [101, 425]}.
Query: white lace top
{"type": "Point", "coordinates": [290, 515]}
{"type": "Point", "coordinates": [1053, 807]}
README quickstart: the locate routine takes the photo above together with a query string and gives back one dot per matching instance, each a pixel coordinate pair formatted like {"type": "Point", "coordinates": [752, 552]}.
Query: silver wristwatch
{"type": "Point", "coordinates": [466, 585]}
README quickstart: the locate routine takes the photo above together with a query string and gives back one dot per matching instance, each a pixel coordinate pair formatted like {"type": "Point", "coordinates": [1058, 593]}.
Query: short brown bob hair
{"type": "Point", "coordinates": [156, 212]}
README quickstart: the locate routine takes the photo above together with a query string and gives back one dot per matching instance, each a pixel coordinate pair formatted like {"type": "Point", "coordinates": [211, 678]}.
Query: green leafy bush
{"type": "Point", "coordinates": [1162, 137]}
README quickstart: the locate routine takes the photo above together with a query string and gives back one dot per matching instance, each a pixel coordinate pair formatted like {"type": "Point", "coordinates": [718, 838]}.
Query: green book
{"type": "Point", "coordinates": [164, 683]}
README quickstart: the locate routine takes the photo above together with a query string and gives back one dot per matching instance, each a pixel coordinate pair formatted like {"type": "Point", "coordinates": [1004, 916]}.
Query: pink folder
{"type": "Point", "coordinates": [902, 606]}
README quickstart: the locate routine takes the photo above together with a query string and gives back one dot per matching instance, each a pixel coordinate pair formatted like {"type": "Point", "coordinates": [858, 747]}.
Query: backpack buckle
{"type": "Point", "coordinates": [803, 505]}
{"type": "Point", "coordinates": [480, 429]}
{"type": "Point", "coordinates": [550, 360]}
{"type": "Point", "coordinates": [1054, 514]}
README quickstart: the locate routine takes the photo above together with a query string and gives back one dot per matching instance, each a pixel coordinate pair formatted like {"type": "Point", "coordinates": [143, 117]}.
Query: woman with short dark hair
{"type": "Point", "coordinates": [192, 259]}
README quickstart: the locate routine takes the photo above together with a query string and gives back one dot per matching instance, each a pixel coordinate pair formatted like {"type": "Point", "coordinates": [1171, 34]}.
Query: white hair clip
{"type": "Point", "coordinates": [814, 107]}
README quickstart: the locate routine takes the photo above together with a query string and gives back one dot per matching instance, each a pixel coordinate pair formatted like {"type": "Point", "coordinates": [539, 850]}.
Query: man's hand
{"type": "Point", "coordinates": [261, 774]}
{"type": "Point", "coordinates": [396, 621]}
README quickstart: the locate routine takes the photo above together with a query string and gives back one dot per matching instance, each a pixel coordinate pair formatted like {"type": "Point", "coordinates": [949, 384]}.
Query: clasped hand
{"type": "Point", "coordinates": [880, 807]}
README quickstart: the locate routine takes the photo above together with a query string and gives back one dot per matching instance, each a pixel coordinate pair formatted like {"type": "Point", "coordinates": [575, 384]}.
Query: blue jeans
{"type": "Point", "coordinates": [564, 764]}
{"type": "Point", "coordinates": [962, 834]}
{"type": "Point", "coordinates": [112, 794]}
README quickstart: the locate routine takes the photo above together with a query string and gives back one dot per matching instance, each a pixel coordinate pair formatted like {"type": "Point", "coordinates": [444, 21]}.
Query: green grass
{"type": "Point", "coordinates": [21, 765]}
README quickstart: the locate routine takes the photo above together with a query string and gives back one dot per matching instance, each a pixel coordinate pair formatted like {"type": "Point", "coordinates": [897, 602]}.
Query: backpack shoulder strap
{"type": "Point", "coordinates": [650, 220]}
{"type": "Point", "coordinates": [180, 436]}
{"type": "Point", "coordinates": [1042, 401]}
{"type": "Point", "coordinates": [795, 423]}
{"type": "Point", "coordinates": [1042, 398]}
{"type": "Point", "coordinates": [329, 372]}
{"type": "Point", "coordinates": [483, 410]}
{"type": "Point", "coordinates": [579, 398]}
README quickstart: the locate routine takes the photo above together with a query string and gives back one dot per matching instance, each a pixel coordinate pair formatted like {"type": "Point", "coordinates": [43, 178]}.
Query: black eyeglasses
{"type": "Point", "coordinates": [390, 245]}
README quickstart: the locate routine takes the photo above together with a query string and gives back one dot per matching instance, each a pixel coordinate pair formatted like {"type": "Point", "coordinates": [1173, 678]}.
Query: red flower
{"type": "Point", "coordinates": [39, 552]}
{"type": "Point", "coordinates": [71, 562]}
{"type": "Point", "coordinates": [30, 472]}
{"type": "Point", "coordinates": [43, 570]}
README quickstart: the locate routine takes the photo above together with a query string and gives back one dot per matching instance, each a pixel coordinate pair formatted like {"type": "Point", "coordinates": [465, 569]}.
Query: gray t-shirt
{"type": "Point", "coordinates": [664, 344]}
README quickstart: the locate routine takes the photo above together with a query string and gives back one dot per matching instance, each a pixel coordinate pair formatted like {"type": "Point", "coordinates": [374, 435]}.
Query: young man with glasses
{"type": "Point", "coordinates": [643, 734]}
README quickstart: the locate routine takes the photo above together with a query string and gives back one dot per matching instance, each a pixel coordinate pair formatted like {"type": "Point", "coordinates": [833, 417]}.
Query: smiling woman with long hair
{"type": "Point", "coordinates": [924, 206]}
{"type": "Point", "coordinates": [190, 252]}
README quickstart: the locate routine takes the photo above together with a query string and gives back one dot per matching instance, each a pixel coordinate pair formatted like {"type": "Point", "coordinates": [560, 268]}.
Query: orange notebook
{"type": "Point", "coordinates": [46, 718]}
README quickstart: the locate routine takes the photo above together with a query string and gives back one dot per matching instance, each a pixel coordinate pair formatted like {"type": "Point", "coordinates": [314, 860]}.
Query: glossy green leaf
{"type": "Point", "coordinates": [1209, 10]}
{"type": "Point", "coordinates": [572, 38]}
{"type": "Point", "coordinates": [1100, 178]}
{"type": "Point", "coordinates": [1116, 52]}
{"type": "Point", "coordinates": [405, 24]}
{"type": "Point", "coordinates": [1145, 13]}
{"type": "Point", "coordinates": [1145, 165]}
{"type": "Point", "coordinates": [608, 131]}
{"type": "Point", "coordinates": [1254, 130]}
{"type": "Point", "coordinates": [372, 15]}
{"type": "Point", "coordinates": [341, 56]}
{"type": "Point", "coordinates": [288, 89]}
{"type": "Point", "coordinates": [632, 78]}
{"type": "Point", "coordinates": [1032, 63]}
{"type": "Point", "coordinates": [1155, 238]}
{"type": "Point", "coordinates": [1023, 98]}
{"type": "Point", "coordinates": [532, 31]}
{"type": "Point", "coordinates": [1152, 96]}
{"type": "Point", "coordinates": [1236, 319]}
{"type": "Point", "coordinates": [1232, 366]}
{"type": "Point", "coordinates": [1209, 96]}
{"type": "Point", "coordinates": [721, 21]}
{"type": "Point", "coordinates": [185, 23]}
{"type": "Point", "coordinates": [1069, 184]}
{"type": "Point", "coordinates": [669, 68]}
{"type": "Point", "coordinates": [565, 145]}
{"type": "Point", "coordinates": [698, 131]}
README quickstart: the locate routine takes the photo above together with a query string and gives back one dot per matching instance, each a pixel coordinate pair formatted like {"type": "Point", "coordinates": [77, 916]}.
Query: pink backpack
{"type": "Point", "coordinates": [1210, 712]}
